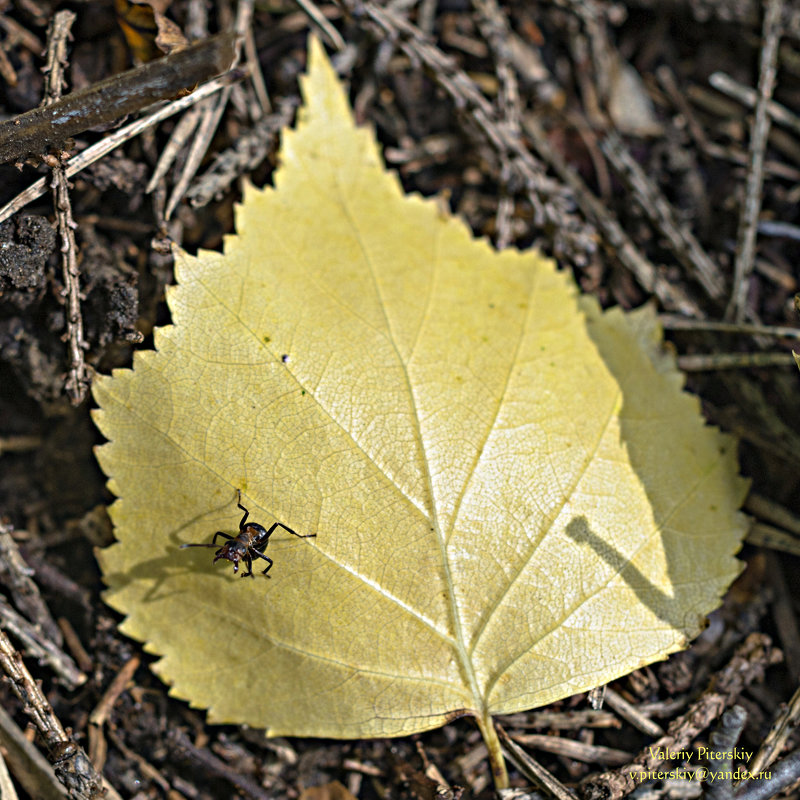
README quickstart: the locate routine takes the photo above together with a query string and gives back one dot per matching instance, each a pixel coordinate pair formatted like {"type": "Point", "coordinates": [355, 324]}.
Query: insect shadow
{"type": "Point", "coordinates": [249, 543]}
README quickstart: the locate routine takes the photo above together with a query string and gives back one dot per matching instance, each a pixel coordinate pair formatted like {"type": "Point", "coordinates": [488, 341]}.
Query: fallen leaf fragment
{"type": "Point", "coordinates": [513, 501]}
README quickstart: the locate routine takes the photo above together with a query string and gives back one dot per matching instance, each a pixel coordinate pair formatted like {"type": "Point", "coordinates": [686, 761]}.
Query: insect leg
{"type": "Point", "coordinates": [289, 530]}
{"type": "Point", "coordinates": [246, 512]}
{"type": "Point", "coordinates": [207, 544]}
{"type": "Point", "coordinates": [249, 561]}
{"type": "Point", "coordinates": [266, 558]}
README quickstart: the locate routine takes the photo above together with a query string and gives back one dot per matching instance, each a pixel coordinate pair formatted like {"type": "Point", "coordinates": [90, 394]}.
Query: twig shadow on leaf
{"type": "Point", "coordinates": [668, 609]}
{"type": "Point", "coordinates": [657, 452]}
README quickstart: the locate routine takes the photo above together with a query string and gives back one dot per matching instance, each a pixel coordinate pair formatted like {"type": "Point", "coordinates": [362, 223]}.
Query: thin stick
{"type": "Point", "coordinates": [102, 711]}
{"type": "Point", "coordinates": [71, 764]}
{"type": "Point", "coordinates": [15, 574]}
{"type": "Point", "coordinates": [34, 132]}
{"type": "Point", "coordinates": [751, 207]}
{"type": "Point", "coordinates": [532, 769]}
{"type": "Point", "coordinates": [748, 664]}
{"type": "Point", "coordinates": [495, 29]}
{"type": "Point", "coordinates": [550, 200]}
{"type": "Point", "coordinates": [119, 137]}
{"type": "Point", "coordinates": [748, 97]}
{"type": "Point", "coordinates": [654, 204]}
{"type": "Point", "coordinates": [38, 646]}
{"type": "Point", "coordinates": [321, 21]}
{"type": "Point", "coordinates": [670, 295]}
{"type": "Point", "coordinates": [212, 114]}
{"type": "Point", "coordinates": [673, 322]}
{"type": "Point", "coordinates": [30, 768]}
{"type": "Point", "coordinates": [632, 714]}
{"type": "Point", "coordinates": [703, 362]}
{"type": "Point", "coordinates": [78, 375]}
{"type": "Point", "coordinates": [7, 790]}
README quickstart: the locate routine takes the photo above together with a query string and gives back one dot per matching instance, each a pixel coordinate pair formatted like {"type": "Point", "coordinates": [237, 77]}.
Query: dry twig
{"type": "Point", "coordinates": [16, 575]}
{"type": "Point", "coordinates": [747, 665]}
{"type": "Point", "coordinates": [495, 30]}
{"type": "Point", "coordinates": [101, 713]}
{"type": "Point", "coordinates": [748, 97]}
{"type": "Point", "coordinates": [40, 647]}
{"type": "Point", "coordinates": [70, 762]}
{"type": "Point", "coordinates": [78, 375]}
{"type": "Point", "coordinates": [671, 296]}
{"type": "Point", "coordinates": [551, 202]}
{"type": "Point", "coordinates": [531, 768]}
{"type": "Point", "coordinates": [119, 137]}
{"type": "Point", "coordinates": [28, 766]}
{"type": "Point", "coordinates": [751, 206]}
{"type": "Point", "coordinates": [658, 209]}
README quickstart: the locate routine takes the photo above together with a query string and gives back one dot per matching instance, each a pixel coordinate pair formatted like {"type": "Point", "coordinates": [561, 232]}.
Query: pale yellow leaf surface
{"type": "Point", "coordinates": [513, 501]}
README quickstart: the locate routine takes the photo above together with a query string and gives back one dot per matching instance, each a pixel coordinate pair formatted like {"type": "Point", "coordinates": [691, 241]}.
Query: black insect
{"type": "Point", "coordinates": [249, 543]}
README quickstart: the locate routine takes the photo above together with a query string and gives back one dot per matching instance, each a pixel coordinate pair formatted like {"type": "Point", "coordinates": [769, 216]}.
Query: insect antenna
{"type": "Point", "coordinates": [200, 545]}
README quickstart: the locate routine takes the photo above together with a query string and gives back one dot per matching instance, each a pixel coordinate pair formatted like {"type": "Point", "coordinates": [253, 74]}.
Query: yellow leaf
{"type": "Point", "coordinates": [513, 503]}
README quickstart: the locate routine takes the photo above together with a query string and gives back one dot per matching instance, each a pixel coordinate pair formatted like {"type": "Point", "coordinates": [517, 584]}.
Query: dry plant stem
{"type": "Point", "coordinates": [784, 616]}
{"type": "Point", "coordinates": [7, 790]}
{"type": "Point", "coordinates": [9, 75]}
{"type": "Point", "coordinates": [632, 714]}
{"type": "Point", "coordinates": [29, 766]}
{"type": "Point", "coordinates": [662, 216]}
{"type": "Point", "coordinates": [783, 726]}
{"type": "Point", "coordinates": [532, 770]}
{"type": "Point", "coordinates": [722, 741]}
{"type": "Point", "coordinates": [569, 748]}
{"type": "Point", "coordinates": [768, 536]}
{"type": "Point", "coordinates": [549, 200]}
{"type": "Point", "coordinates": [748, 664]}
{"type": "Point", "coordinates": [250, 149]}
{"type": "Point", "coordinates": [78, 374]}
{"type": "Point", "coordinates": [672, 322]}
{"type": "Point", "coordinates": [212, 111]}
{"type": "Point", "coordinates": [256, 75]}
{"type": "Point", "coordinates": [146, 768]}
{"type": "Point", "coordinates": [762, 535]}
{"type": "Point", "coordinates": [214, 766]}
{"type": "Point", "coordinates": [19, 444]}
{"type": "Point", "coordinates": [669, 84]}
{"type": "Point", "coordinates": [748, 97]}
{"type": "Point", "coordinates": [785, 773]}
{"type": "Point", "coordinates": [671, 297]}
{"type": "Point", "coordinates": [78, 377]}
{"type": "Point", "coordinates": [101, 713]}
{"type": "Point", "coordinates": [19, 34]}
{"type": "Point", "coordinates": [15, 574]}
{"type": "Point", "coordinates": [119, 137]}
{"type": "Point", "coordinates": [748, 220]}
{"type": "Point", "coordinates": [321, 21]}
{"type": "Point", "coordinates": [496, 760]}
{"type": "Point", "coordinates": [181, 134]}
{"type": "Point", "coordinates": [71, 764]}
{"type": "Point", "coordinates": [212, 114]}
{"type": "Point", "coordinates": [704, 362]}
{"type": "Point", "coordinates": [766, 509]}
{"type": "Point", "coordinates": [594, 77]}
{"type": "Point", "coordinates": [74, 645]}
{"type": "Point", "coordinates": [39, 647]}
{"type": "Point", "coordinates": [564, 721]}
{"type": "Point", "coordinates": [494, 28]}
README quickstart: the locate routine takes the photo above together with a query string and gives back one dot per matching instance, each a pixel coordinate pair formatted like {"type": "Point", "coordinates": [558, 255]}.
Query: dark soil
{"type": "Point", "coordinates": [558, 66]}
